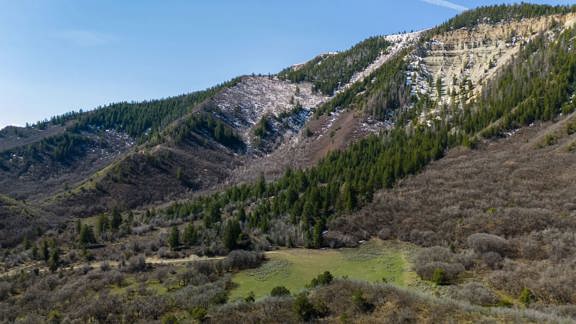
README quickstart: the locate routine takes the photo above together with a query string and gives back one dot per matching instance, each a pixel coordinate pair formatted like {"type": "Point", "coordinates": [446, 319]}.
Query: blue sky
{"type": "Point", "coordinates": [62, 55]}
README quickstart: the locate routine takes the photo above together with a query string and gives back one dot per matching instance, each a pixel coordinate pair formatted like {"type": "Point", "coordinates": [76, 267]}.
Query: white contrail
{"type": "Point", "coordinates": [446, 4]}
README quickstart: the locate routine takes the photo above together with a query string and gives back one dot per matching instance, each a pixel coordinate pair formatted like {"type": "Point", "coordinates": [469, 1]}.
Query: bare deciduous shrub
{"type": "Point", "coordinates": [135, 247]}
{"type": "Point", "coordinates": [336, 239]}
{"type": "Point", "coordinates": [115, 277]}
{"type": "Point", "coordinates": [403, 315]}
{"type": "Point", "coordinates": [512, 278]}
{"type": "Point", "coordinates": [424, 238]}
{"type": "Point", "coordinates": [385, 234]}
{"type": "Point", "coordinates": [161, 274]}
{"type": "Point", "coordinates": [466, 258]}
{"type": "Point", "coordinates": [104, 266]}
{"type": "Point", "coordinates": [85, 268]}
{"type": "Point", "coordinates": [475, 293]}
{"type": "Point", "coordinates": [203, 295]}
{"type": "Point", "coordinates": [204, 267]}
{"type": "Point", "coordinates": [142, 229]}
{"type": "Point", "coordinates": [165, 253]}
{"type": "Point", "coordinates": [492, 260]}
{"type": "Point", "coordinates": [562, 310]}
{"type": "Point", "coordinates": [238, 260]}
{"type": "Point", "coordinates": [562, 247]}
{"type": "Point", "coordinates": [530, 247]}
{"type": "Point", "coordinates": [136, 263]}
{"type": "Point", "coordinates": [431, 259]}
{"type": "Point", "coordinates": [484, 242]}
{"type": "Point", "coordinates": [557, 284]}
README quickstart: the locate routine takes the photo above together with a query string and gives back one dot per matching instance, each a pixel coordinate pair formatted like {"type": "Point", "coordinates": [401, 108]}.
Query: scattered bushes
{"type": "Point", "coordinates": [340, 300]}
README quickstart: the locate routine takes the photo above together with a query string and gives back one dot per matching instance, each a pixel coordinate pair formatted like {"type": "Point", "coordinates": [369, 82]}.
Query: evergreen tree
{"type": "Point", "coordinates": [261, 186]}
{"type": "Point", "coordinates": [211, 215]}
{"type": "Point", "coordinates": [231, 233]}
{"type": "Point", "coordinates": [130, 219]}
{"type": "Point", "coordinates": [347, 198]}
{"type": "Point", "coordinates": [317, 236]}
{"type": "Point", "coordinates": [116, 219]}
{"type": "Point", "coordinates": [174, 239]}
{"type": "Point", "coordinates": [54, 260]}
{"type": "Point", "coordinates": [34, 252]}
{"type": "Point", "coordinates": [44, 251]}
{"type": "Point", "coordinates": [189, 237]}
{"type": "Point", "coordinates": [86, 235]}
{"type": "Point", "coordinates": [102, 224]}
{"type": "Point", "coordinates": [241, 215]}
{"type": "Point", "coordinates": [27, 243]}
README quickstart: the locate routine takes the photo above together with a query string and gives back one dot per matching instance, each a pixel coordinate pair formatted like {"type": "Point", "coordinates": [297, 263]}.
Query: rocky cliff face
{"type": "Point", "coordinates": [281, 107]}
{"type": "Point", "coordinates": [455, 65]}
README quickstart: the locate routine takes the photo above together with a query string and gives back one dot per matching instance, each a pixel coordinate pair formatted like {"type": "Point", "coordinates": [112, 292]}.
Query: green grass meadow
{"type": "Point", "coordinates": [294, 268]}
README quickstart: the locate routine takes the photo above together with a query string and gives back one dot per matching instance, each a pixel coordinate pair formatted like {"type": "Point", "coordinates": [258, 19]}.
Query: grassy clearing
{"type": "Point", "coordinates": [294, 268]}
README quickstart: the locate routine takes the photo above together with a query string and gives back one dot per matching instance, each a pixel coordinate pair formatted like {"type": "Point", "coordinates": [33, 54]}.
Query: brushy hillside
{"type": "Point", "coordinates": [357, 302]}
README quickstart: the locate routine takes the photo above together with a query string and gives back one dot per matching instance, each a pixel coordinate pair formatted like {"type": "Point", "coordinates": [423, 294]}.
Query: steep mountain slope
{"type": "Point", "coordinates": [251, 125]}
{"type": "Point", "coordinates": [296, 207]}
{"type": "Point", "coordinates": [280, 108]}
{"type": "Point", "coordinates": [459, 140]}
{"type": "Point", "coordinates": [329, 132]}
{"type": "Point", "coordinates": [187, 144]}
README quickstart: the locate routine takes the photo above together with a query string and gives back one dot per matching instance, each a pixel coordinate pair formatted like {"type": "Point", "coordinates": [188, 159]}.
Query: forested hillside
{"type": "Point", "coordinates": [500, 14]}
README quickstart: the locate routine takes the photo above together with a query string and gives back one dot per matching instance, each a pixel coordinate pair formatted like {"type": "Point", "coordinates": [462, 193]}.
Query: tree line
{"type": "Point", "coordinates": [500, 13]}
